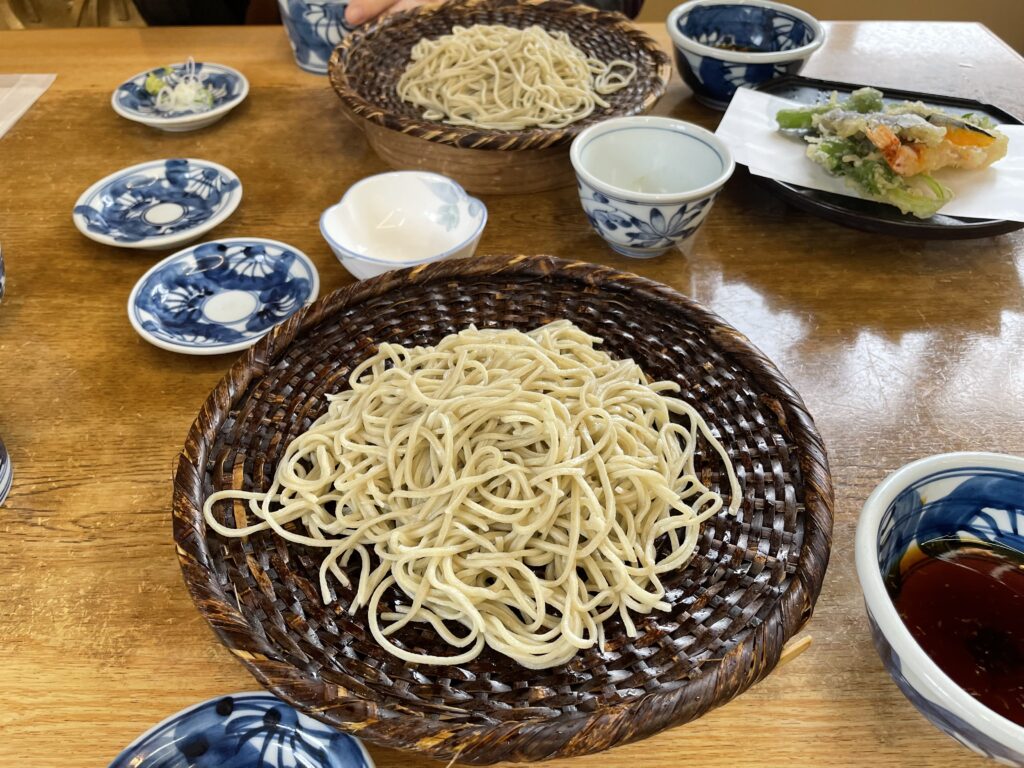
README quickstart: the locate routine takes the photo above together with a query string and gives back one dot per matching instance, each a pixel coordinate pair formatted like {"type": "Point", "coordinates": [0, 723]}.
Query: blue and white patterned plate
{"type": "Point", "coordinates": [131, 100]}
{"type": "Point", "coordinates": [221, 296]}
{"type": "Point", "coordinates": [244, 730]}
{"type": "Point", "coordinates": [158, 205]}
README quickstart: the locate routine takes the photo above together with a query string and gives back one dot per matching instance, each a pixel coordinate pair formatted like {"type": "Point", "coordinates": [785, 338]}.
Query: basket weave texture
{"type": "Point", "coordinates": [749, 587]}
{"type": "Point", "coordinates": [366, 66]}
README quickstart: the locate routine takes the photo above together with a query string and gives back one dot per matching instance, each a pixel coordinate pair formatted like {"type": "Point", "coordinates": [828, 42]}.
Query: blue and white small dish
{"type": "Point", "coordinates": [6, 472]}
{"type": "Point", "coordinates": [158, 205]}
{"type": "Point", "coordinates": [243, 730]}
{"type": "Point", "coordinates": [314, 31]}
{"type": "Point", "coordinates": [402, 219]}
{"type": "Point", "coordinates": [221, 296]}
{"type": "Point", "coordinates": [132, 101]}
{"type": "Point", "coordinates": [977, 496]}
{"type": "Point", "coordinates": [722, 45]}
{"type": "Point", "coordinates": [648, 183]}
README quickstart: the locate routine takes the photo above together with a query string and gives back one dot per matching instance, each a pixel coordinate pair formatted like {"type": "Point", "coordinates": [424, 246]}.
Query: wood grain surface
{"type": "Point", "coordinates": [899, 348]}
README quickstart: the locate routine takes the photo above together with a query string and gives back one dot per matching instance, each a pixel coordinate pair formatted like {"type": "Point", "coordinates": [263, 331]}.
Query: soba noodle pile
{"type": "Point", "coordinates": [494, 76]}
{"type": "Point", "coordinates": [516, 484]}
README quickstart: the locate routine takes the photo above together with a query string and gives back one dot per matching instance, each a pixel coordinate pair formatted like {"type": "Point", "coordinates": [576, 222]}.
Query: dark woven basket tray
{"type": "Point", "coordinates": [365, 68]}
{"type": "Point", "coordinates": [749, 587]}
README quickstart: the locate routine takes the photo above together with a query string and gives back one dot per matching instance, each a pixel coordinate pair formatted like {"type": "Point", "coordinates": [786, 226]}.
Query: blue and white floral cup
{"type": "Point", "coordinates": [314, 30]}
{"type": "Point", "coordinates": [648, 183]}
{"type": "Point", "coordinates": [974, 496]}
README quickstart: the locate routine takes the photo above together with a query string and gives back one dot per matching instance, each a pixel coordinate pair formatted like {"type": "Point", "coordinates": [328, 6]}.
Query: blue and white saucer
{"type": "Point", "coordinates": [158, 205]}
{"type": "Point", "coordinates": [221, 296]}
{"type": "Point", "coordinates": [131, 100]}
{"type": "Point", "coordinates": [244, 730]}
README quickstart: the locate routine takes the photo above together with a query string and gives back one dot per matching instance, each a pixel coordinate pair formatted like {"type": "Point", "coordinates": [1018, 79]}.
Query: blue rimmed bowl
{"type": "Point", "coordinates": [221, 296]}
{"type": "Point", "coordinates": [314, 30]}
{"type": "Point", "coordinates": [132, 101]}
{"type": "Point", "coordinates": [243, 730]}
{"type": "Point", "coordinates": [648, 183]}
{"type": "Point", "coordinates": [157, 205]}
{"type": "Point", "coordinates": [722, 45]}
{"type": "Point", "coordinates": [402, 219]}
{"type": "Point", "coordinates": [977, 496]}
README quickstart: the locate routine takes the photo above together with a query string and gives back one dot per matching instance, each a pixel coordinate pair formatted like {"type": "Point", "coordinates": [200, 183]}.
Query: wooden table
{"type": "Point", "coordinates": [900, 348]}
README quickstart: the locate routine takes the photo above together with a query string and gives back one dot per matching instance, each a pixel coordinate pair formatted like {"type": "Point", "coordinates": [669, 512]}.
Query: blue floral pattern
{"type": "Point", "coordinates": [132, 95]}
{"type": "Point", "coordinates": [639, 229]}
{"type": "Point", "coordinates": [745, 27]}
{"type": "Point", "coordinates": [172, 302]}
{"type": "Point", "coordinates": [125, 208]}
{"type": "Point", "coordinates": [450, 196]}
{"type": "Point", "coordinates": [314, 29]}
{"type": "Point", "coordinates": [253, 730]}
{"type": "Point", "coordinates": [983, 503]}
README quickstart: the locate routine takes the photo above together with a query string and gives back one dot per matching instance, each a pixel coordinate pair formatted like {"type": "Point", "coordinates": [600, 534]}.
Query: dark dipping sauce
{"type": "Point", "coordinates": [963, 602]}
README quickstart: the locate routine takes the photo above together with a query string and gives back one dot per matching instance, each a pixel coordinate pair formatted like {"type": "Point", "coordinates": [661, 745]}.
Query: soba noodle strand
{"type": "Point", "coordinates": [522, 486]}
{"type": "Point", "coordinates": [503, 78]}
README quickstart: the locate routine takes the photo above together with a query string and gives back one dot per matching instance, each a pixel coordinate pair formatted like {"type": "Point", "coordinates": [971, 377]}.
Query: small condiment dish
{"type": "Point", "coordinates": [722, 45]}
{"type": "Point", "coordinates": [965, 496]}
{"type": "Point", "coordinates": [648, 183]}
{"type": "Point", "coordinates": [132, 101]}
{"type": "Point", "coordinates": [221, 296]}
{"type": "Point", "coordinates": [255, 730]}
{"type": "Point", "coordinates": [402, 219]}
{"type": "Point", "coordinates": [158, 205]}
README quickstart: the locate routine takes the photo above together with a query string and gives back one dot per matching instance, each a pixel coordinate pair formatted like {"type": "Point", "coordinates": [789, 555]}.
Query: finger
{"type": "Point", "coordinates": [359, 11]}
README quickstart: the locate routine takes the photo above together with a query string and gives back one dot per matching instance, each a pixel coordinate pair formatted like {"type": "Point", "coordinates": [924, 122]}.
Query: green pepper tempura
{"type": "Point", "coordinates": [888, 152]}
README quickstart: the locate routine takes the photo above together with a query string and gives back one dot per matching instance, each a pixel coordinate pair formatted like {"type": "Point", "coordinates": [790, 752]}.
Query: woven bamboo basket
{"type": "Point", "coordinates": [749, 587]}
{"type": "Point", "coordinates": [365, 69]}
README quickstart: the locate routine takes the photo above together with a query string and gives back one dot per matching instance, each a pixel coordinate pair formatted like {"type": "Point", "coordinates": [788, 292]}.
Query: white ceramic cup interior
{"type": "Point", "coordinates": [402, 217]}
{"type": "Point", "coordinates": [649, 158]}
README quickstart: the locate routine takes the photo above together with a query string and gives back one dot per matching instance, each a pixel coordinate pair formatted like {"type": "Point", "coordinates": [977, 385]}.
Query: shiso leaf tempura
{"type": "Point", "coordinates": [888, 152]}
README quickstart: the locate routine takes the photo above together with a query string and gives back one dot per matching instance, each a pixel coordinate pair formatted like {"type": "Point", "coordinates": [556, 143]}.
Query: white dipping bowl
{"type": "Point", "coordinates": [648, 183]}
{"type": "Point", "coordinates": [402, 219]}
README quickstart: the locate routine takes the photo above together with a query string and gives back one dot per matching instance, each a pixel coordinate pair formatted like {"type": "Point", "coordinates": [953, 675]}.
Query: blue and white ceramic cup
{"type": "Point", "coordinates": [722, 45]}
{"type": "Point", "coordinates": [314, 30]}
{"type": "Point", "coordinates": [976, 496]}
{"type": "Point", "coordinates": [648, 183]}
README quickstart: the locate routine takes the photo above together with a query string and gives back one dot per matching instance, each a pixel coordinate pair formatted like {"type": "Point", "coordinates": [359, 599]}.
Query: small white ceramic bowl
{"type": "Point", "coordinates": [949, 495]}
{"type": "Point", "coordinates": [132, 101]}
{"type": "Point", "coordinates": [722, 45]}
{"type": "Point", "coordinates": [648, 183]}
{"type": "Point", "coordinates": [402, 219]}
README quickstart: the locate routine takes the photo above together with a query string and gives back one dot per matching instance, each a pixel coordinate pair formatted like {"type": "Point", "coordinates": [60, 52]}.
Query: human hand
{"type": "Point", "coordinates": [359, 11]}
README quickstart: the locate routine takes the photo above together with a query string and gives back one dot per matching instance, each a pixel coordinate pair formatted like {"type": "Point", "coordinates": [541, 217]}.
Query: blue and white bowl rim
{"type": "Point", "coordinates": [350, 254]}
{"type": "Point", "coordinates": [691, 130]}
{"type": "Point", "coordinates": [882, 610]}
{"type": "Point", "coordinates": [225, 106]}
{"type": "Point", "coordinates": [745, 57]}
{"type": "Point", "coordinates": [183, 236]}
{"type": "Point", "coordinates": [314, 292]}
{"type": "Point", "coordinates": [150, 732]}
